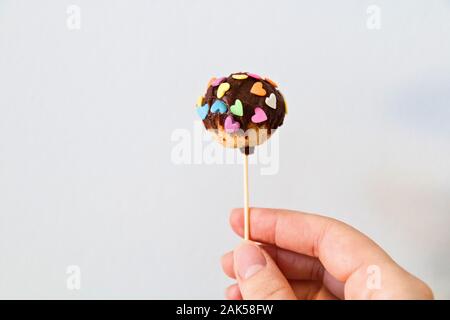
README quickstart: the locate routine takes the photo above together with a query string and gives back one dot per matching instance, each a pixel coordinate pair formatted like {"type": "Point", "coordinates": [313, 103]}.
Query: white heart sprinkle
{"type": "Point", "coordinates": [271, 101]}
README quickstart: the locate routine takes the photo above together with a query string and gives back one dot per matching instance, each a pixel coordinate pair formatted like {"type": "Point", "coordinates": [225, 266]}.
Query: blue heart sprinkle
{"type": "Point", "coordinates": [203, 111]}
{"type": "Point", "coordinates": [219, 106]}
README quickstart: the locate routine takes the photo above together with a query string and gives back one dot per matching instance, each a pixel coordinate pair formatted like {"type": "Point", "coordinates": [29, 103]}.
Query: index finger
{"type": "Point", "coordinates": [341, 248]}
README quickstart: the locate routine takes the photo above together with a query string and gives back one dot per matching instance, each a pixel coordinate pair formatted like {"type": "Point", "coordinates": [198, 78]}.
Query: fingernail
{"type": "Point", "coordinates": [248, 260]}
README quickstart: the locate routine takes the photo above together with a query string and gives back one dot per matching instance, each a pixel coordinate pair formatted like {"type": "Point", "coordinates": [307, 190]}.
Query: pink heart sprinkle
{"type": "Point", "coordinates": [231, 125]}
{"type": "Point", "coordinates": [217, 81]}
{"type": "Point", "coordinates": [259, 116]}
{"type": "Point", "coordinates": [254, 76]}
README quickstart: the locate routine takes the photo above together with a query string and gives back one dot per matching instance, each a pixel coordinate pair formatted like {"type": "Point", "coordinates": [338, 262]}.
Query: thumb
{"type": "Point", "coordinates": [258, 276]}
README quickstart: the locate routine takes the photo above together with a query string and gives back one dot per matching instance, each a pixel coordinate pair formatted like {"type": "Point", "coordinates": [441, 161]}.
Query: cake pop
{"type": "Point", "coordinates": [242, 111]}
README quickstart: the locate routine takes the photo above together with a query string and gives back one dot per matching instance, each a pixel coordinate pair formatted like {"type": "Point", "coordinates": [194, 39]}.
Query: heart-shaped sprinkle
{"type": "Point", "coordinates": [219, 106]}
{"type": "Point", "coordinates": [237, 108]}
{"type": "Point", "coordinates": [259, 116]}
{"type": "Point", "coordinates": [239, 76]}
{"type": "Point", "coordinates": [199, 101]}
{"type": "Point", "coordinates": [254, 76]}
{"type": "Point", "coordinates": [203, 111]}
{"type": "Point", "coordinates": [258, 89]}
{"type": "Point", "coordinates": [271, 101]}
{"type": "Point", "coordinates": [224, 87]}
{"type": "Point", "coordinates": [211, 81]}
{"type": "Point", "coordinates": [217, 81]}
{"type": "Point", "coordinates": [271, 82]}
{"type": "Point", "coordinates": [231, 126]}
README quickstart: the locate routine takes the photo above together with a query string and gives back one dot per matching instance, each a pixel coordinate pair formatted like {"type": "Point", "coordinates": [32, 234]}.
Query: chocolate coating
{"type": "Point", "coordinates": [241, 89]}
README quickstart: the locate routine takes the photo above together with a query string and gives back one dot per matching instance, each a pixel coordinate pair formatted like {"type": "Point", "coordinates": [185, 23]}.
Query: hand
{"type": "Point", "coordinates": [307, 256]}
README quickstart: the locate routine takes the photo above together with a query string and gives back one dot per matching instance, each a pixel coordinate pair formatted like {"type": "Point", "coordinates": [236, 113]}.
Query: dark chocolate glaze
{"type": "Point", "coordinates": [240, 89]}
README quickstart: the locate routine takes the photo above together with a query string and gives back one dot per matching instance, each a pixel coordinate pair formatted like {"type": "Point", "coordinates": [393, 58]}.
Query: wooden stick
{"type": "Point", "coordinates": [246, 209]}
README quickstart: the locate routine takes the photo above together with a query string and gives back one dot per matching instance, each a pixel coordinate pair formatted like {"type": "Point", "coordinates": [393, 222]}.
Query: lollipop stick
{"type": "Point", "coordinates": [246, 209]}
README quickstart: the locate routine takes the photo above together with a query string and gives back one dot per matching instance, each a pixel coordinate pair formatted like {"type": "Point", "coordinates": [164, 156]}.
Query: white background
{"type": "Point", "coordinates": [86, 118]}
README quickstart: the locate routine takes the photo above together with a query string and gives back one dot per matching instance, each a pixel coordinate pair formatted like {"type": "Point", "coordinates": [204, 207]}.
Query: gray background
{"type": "Point", "coordinates": [86, 119]}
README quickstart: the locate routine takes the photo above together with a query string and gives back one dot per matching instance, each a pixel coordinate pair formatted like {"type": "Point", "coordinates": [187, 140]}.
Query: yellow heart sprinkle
{"type": "Point", "coordinates": [239, 76]}
{"type": "Point", "coordinates": [224, 87]}
{"type": "Point", "coordinates": [200, 101]}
